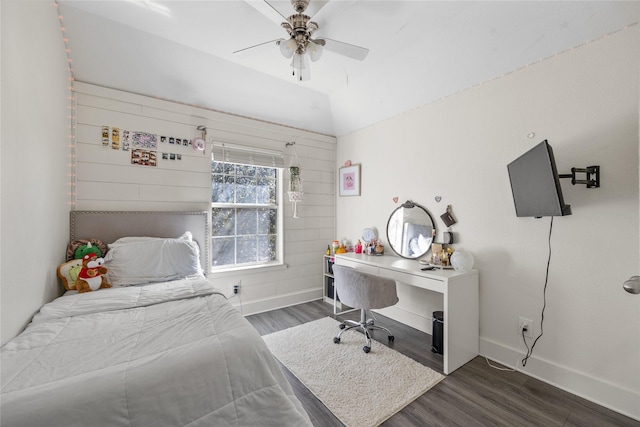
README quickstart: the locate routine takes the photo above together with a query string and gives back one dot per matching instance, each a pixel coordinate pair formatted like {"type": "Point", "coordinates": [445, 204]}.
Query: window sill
{"type": "Point", "coordinates": [232, 271]}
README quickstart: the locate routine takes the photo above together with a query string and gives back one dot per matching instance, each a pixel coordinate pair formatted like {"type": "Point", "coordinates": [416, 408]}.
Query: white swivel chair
{"type": "Point", "coordinates": [364, 291]}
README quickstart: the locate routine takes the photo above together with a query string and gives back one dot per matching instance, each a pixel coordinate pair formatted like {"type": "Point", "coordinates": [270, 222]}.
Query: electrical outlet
{"type": "Point", "coordinates": [236, 287]}
{"type": "Point", "coordinates": [527, 325]}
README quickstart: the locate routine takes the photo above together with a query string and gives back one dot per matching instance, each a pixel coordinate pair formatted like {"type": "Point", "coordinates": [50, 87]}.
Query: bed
{"type": "Point", "coordinates": [169, 353]}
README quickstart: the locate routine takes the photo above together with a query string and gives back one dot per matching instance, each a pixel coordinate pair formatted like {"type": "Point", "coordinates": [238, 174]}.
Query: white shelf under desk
{"type": "Point", "coordinates": [459, 293]}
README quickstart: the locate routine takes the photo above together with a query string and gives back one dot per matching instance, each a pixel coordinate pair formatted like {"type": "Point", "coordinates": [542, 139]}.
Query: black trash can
{"type": "Point", "coordinates": [437, 345]}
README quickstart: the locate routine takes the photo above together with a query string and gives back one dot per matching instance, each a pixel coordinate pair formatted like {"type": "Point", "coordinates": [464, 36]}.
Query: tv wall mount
{"type": "Point", "coordinates": [592, 176]}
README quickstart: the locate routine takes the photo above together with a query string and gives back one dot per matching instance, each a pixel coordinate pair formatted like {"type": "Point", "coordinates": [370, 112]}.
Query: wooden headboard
{"type": "Point", "coordinates": [109, 226]}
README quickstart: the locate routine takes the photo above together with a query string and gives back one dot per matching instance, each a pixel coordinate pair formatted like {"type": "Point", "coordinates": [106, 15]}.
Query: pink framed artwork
{"type": "Point", "coordinates": [349, 180]}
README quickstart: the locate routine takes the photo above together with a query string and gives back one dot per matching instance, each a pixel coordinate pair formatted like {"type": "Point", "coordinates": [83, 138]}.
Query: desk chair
{"type": "Point", "coordinates": [364, 291]}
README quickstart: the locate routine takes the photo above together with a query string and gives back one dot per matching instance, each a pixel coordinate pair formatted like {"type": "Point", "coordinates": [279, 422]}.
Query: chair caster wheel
{"type": "Point", "coordinates": [336, 340]}
{"type": "Point", "coordinates": [366, 349]}
{"type": "Point", "coordinates": [342, 326]}
{"type": "Point", "coordinates": [391, 338]}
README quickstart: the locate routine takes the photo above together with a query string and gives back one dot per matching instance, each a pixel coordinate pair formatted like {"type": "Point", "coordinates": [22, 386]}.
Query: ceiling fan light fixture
{"type": "Point", "coordinates": [288, 47]}
{"type": "Point", "coordinates": [315, 50]}
{"type": "Point", "coordinates": [300, 29]}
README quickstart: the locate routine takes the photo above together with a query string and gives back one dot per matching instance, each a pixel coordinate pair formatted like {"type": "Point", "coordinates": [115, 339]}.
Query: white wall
{"type": "Point", "coordinates": [585, 102]}
{"type": "Point", "coordinates": [106, 180]}
{"type": "Point", "coordinates": [34, 156]}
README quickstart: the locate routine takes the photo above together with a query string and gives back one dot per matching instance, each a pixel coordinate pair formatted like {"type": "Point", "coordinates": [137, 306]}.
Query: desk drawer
{"type": "Point", "coordinates": [413, 280]}
{"type": "Point", "coordinates": [365, 268]}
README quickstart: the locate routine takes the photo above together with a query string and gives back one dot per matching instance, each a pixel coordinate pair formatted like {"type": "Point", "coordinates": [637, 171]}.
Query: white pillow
{"type": "Point", "coordinates": [135, 239]}
{"type": "Point", "coordinates": [152, 260]}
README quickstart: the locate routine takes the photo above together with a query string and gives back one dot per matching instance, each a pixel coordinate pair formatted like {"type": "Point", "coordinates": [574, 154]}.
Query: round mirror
{"type": "Point", "coordinates": [410, 230]}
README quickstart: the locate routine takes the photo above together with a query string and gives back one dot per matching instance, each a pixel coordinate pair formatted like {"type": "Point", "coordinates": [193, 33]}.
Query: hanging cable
{"type": "Point", "coordinates": [544, 305]}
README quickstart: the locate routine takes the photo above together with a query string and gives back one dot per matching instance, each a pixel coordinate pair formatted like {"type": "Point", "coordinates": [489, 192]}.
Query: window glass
{"type": "Point", "coordinates": [244, 214]}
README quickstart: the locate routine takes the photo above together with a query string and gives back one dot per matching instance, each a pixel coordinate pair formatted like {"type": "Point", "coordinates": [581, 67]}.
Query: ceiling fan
{"type": "Point", "coordinates": [301, 46]}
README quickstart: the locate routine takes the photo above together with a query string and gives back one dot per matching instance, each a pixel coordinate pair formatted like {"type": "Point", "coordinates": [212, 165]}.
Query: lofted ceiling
{"type": "Point", "coordinates": [419, 51]}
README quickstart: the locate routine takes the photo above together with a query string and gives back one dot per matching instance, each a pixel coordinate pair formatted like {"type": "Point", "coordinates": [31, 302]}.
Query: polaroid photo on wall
{"type": "Point", "coordinates": [105, 136]}
{"type": "Point", "coordinates": [126, 140]}
{"type": "Point", "coordinates": [115, 138]}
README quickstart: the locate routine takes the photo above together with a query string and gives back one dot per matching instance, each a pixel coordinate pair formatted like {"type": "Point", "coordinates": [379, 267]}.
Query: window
{"type": "Point", "coordinates": [245, 214]}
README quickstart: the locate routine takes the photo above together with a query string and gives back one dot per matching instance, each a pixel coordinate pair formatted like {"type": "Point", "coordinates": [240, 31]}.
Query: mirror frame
{"type": "Point", "coordinates": [409, 205]}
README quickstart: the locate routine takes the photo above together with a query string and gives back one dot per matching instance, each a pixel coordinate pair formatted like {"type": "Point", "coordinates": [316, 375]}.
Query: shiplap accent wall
{"type": "Point", "coordinates": [106, 180]}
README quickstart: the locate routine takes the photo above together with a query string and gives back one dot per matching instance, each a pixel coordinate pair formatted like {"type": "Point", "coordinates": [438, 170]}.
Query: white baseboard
{"type": "Point", "coordinates": [612, 396]}
{"type": "Point", "coordinates": [280, 301]}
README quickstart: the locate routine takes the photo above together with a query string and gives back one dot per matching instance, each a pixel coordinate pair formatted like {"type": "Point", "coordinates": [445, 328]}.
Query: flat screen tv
{"type": "Point", "coordinates": [535, 184]}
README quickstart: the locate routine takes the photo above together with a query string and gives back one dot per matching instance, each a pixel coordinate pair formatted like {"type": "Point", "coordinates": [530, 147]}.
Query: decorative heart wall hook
{"type": "Point", "coordinates": [395, 199]}
{"type": "Point", "coordinates": [438, 198]}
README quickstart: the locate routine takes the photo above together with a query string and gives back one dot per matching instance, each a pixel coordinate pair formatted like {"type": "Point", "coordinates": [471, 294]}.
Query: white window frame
{"type": "Point", "coordinates": [279, 261]}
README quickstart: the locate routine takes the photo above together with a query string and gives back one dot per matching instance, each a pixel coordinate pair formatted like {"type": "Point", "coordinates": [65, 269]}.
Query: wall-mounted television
{"type": "Point", "coordinates": [535, 184]}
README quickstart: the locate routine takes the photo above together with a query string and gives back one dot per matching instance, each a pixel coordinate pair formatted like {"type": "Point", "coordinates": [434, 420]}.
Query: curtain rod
{"type": "Point", "coordinates": [238, 147]}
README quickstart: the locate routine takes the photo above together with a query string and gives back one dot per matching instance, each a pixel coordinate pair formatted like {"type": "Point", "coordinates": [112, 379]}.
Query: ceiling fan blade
{"type": "Point", "coordinates": [241, 53]}
{"type": "Point", "coordinates": [315, 6]}
{"type": "Point", "coordinates": [265, 8]}
{"type": "Point", "coordinates": [346, 49]}
{"type": "Point", "coordinates": [321, 11]}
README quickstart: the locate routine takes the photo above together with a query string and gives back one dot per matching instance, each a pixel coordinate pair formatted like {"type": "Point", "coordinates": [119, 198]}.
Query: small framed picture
{"type": "Point", "coordinates": [349, 181]}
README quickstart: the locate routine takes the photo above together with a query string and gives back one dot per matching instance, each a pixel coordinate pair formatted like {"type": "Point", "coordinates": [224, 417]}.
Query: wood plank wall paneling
{"type": "Point", "coordinates": [106, 180]}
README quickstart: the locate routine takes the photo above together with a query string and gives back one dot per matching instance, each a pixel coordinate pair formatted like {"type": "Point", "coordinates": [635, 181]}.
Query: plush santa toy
{"type": "Point", "coordinates": [92, 274]}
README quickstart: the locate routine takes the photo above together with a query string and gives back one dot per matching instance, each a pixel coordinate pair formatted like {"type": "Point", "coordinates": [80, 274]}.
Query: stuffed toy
{"type": "Point", "coordinates": [91, 276]}
{"type": "Point", "coordinates": [83, 250]}
{"type": "Point", "coordinates": [68, 273]}
{"type": "Point", "coordinates": [80, 247]}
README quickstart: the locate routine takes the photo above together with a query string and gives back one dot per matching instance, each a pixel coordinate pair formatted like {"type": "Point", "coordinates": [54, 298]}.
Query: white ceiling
{"type": "Point", "coordinates": [419, 51]}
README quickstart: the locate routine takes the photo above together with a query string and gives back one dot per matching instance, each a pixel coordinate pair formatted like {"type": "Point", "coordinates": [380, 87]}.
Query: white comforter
{"type": "Point", "coordinates": [170, 354]}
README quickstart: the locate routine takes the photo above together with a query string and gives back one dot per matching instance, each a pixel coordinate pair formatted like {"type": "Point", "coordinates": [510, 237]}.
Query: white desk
{"type": "Point", "coordinates": [459, 294]}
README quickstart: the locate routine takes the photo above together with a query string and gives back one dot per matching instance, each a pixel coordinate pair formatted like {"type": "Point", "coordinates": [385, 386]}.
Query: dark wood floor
{"type": "Point", "coordinates": [474, 395]}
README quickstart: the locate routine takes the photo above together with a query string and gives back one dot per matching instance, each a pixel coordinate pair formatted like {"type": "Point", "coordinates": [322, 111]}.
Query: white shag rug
{"type": "Point", "coordinates": [359, 389]}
